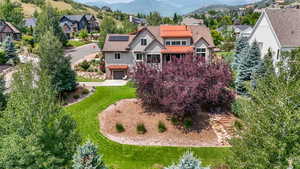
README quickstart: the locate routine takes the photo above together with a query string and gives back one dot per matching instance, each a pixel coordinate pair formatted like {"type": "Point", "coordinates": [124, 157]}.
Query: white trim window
{"type": "Point", "coordinates": [117, 56]}
{"type": "Point", "coordinates": [201, 52]}
{"type": "Point", "coordinates": [139, 57]}
{"type": "Point", "coordinates": [153, 58]}
{"type": "Point", "coordinates": [144, 42]}
{"type": "Point", "coordinates": [176, 43]}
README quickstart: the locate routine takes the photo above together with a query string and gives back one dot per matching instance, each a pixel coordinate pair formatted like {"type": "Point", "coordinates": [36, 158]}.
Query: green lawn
{"type": "Point", "coordinates": [118, 156]}
{"type": "Point", "coordinates": [75, 43]}
{"type": "Point", "coordinates": [83, 79]}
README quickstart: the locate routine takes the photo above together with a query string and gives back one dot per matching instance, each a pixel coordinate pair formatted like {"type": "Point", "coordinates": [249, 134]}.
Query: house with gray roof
{"type": "Point", "coordinates": [277, 30]}
{"type": "Point", "coordinates": [8, 30]}
{"type": "Point", "coordinates": [154, 45]}
{"type": "Point", "coordinates": [30, 22]}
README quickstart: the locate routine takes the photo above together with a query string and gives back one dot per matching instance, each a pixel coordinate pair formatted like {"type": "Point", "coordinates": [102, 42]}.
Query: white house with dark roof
{"type": "Point", "coordinates": [154, 45]}
{"type": "Point", "coordinates": [278, 30]}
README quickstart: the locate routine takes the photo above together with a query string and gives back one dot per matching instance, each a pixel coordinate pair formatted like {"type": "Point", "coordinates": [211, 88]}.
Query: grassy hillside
{"type": "Point", "coordinates": [61, 5]}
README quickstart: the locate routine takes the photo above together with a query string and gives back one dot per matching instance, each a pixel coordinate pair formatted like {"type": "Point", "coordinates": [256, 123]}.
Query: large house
{"type": "Point", "coordinates": [154, 45]}
{"type": "Point", "coordinates": [238, 30]}
{"type": "Point", "coordinates": [74, 23]}
{"type": "Point", "coordinates": [277, 30]}
{"type": "Point", "coordinates": [8, 30]}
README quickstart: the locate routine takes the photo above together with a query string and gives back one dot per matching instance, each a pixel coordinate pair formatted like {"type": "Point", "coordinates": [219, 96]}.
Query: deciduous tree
{"type": "Point", "coordinates": [12, 12]}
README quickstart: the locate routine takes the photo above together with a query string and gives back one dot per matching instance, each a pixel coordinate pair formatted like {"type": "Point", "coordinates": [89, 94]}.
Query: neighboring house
{"type": "Point", "coordinates": [74, 23]}
{"type": "Point", "coordinates": [192, 21]}
{"type": "Point", "coordinates": [8, 29]}
{"type": "Point", "coordinates": [138, 21]}
{"type": "Point", "coordinates": [238, 30]}
{"type": "Point", "coordinates": [154, 45]}
{"type": "Point", "coordinates": [277, 30]}
{"type": "Point", "coordinates": [30, 22]}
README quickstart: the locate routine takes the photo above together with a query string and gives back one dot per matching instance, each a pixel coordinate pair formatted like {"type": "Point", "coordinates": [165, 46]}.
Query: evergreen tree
{"type": "Point", "coordinates": [2, 95]}
{"type": "Point", "coordinates": [53, 61]}
{"type": "Point", "coordinates": [48, 20]}
{"type": "Point", "coordinates": [10, 50]}
{"type": "Point", "coordinates": [86, 157]}
{"type": "Point", "coordinates": [270, 134]}
{"type": "Point", "coordinates": [3, 59]}
{"type": "Point", "coordinates": [35, 133]}
{"type": "Point", "coordinates": [240, 44]}
{"type": "Point", "coordinates": [188, 161]}
{"type": "Point", "coordinates": [250, 60]}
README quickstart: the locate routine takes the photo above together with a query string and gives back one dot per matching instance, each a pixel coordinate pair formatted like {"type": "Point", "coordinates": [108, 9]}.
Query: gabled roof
{"type": "Point", "coordinates": [3, 24]}
{"type": "Point", "coordinates": [286, 25]}
{"type": "Point", "coordinates": [196, 32]}
{"type": "Point", "coordinates": [30, 22]}
{"type": "Point", "coordinates": [76, 18]}
{"type": "Point", "coordinates": [242, 27]}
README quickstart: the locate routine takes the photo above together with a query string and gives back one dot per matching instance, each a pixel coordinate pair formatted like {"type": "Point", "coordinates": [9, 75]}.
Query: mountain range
{"type": "Point", "coordinates": [164, 7]}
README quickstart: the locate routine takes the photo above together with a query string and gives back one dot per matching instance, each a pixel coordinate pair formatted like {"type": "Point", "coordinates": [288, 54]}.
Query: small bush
{"type": "Point", "coordinates": [120, 128]}
{"type": "Point", "coordinates": [76, 96]}
{"type": "Point", "coordinates": [141, 129]}
{"type": "Point", "coordinates": [161, 127]}
{"type": "Point", "coordinates": [84, 65]}
{"type": "Point", "coordinates": [236, 106]}
{"type": "Point", "coordinates": [174, 121]}
{"type": "Point", "coordinates": [238, 125]}
{"type": "Point", "coordinates": [187, 123]}
{"type": "Point", "coordinates": [85, 91]}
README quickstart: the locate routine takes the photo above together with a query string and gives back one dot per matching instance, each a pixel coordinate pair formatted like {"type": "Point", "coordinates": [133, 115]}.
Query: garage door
{"type": "Point", "coordinates": [118, 74]}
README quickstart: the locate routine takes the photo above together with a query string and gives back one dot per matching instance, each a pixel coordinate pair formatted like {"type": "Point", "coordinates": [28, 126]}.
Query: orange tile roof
{"type": "Point", "coordinates": [177, 49]}
{"type": "Point", "coordinates": [118, 67]}
{"type": "Point", "coordinates": [171, 31]}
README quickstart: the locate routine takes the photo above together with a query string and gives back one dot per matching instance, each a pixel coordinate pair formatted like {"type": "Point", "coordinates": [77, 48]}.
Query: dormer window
{"type": "Point", "coordinates": [201, 52]}
{"type": "Point", "coordinates": [143, 42]}
{"type": "Point", "coordinates": [117, 56]}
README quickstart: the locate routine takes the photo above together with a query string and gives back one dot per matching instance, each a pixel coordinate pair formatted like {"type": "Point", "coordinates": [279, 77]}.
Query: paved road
{"type": "Point", "coordinates": [82, 51]}
{"type": "Point", "coordinates": [105, 83]}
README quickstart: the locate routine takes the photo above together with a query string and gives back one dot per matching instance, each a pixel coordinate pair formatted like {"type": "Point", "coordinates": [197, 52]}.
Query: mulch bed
{"type": "Point", "coordinates": [129, 112]}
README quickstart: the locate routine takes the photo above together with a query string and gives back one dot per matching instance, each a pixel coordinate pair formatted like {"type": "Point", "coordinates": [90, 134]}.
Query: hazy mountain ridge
{"type": "Point", "coordinates": [165, 7]}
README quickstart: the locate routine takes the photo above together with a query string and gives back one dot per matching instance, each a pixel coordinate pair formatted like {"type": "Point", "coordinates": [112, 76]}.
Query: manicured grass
{"type": "Point", "coordinates": [119, 156]}
{"type": "Point", "coordinates": [83, 79]}
{"type": "Point", "coordinates": [75, 43]}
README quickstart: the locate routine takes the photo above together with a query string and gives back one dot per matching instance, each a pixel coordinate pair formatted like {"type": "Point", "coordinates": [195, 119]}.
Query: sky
{"type": "Point", "coordinates": [115, 1]}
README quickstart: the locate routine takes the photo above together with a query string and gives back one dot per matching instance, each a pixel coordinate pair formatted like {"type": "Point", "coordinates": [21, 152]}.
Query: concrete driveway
{"type": "Point", "coordinates": [81, 52]}
{"type": "Point", "coordinates": [105, 83]}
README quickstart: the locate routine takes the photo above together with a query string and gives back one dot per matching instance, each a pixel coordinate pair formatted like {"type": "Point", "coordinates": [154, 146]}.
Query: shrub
{"type": "Point", "coordinates": [187, 123]}
{"type": "Point", "coordinates": [238, 125]}
{"type": "Point", "coordinates": [84, 65]}
{"type": "Point", "coordinates": [236, 106]}
{"type": "Point", "coordinates": [85, 91]}
{"type": "Point", "coordinates": [3, 59]}
{"type": "Point", "coordinates": [120, 128]}
{"type": "Point", "coordinates": [76, 96]}
{"type": "Point", "coordinates": [161, 127]}
{"type": "Point", "coordinates": [141, 129]}
{"type": "Point", "coordinates": [28, 40]}
{"type": "Point", "coordinates": [188, 161]}
{"type": "Point", "coordinates": [184, 85]}
{"type": "Point", "coordinates": [174, 121]}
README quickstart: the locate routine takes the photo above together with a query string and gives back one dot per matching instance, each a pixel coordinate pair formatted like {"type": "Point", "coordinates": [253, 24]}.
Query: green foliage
{"type": "Point", "coordinates": [188, 161]}
{"type": "Point", "coordinates": [12, 12]}
{"type": "Point", "coordinates": [154, 18]}
{"type": "Point", "coordinates": [120, 128]}
{"type": "Point", "coordinates": [141, 129]}
{"type": "Point", "coordinates": [28, 40]}
{"type": "Point", "coordinates": [175, 121]}
{"type": "Point", "coordinates": [108, 25]}
{"type": "Point", "coordinates": [10, 50]}
{"type": "Point", "coordinates": [3, 59]}
{"type": "Point", "coordinates": [34, 132]}
{"type": "Point", "coordinates": [85, 91]}
{"type": "Point", "coordinates": [187, 123]}
{"type": "Point", "coordinates": [270, 136]}
{"type": "Point", "coordinates": [217, 37]}
{"type": "Point", "coordinates": [161, 127]}
{"type": "Point", "coordinates": [83, 34]}
{"type": "Point", "coordinates": [236, 106]}
{"type": "Point", "coordinates": [48, 20]}
{"type": "Point", "coordinates": [240, 44]}
{"type": "Point", "coordinates": [3, 98]}
{"type": "Point", "coordinates": [86, 157]}
{"type": "Point", "coordinates": [76, 96]}
{"type": "Point", "coordinates": [36, 2]}
{"type": "Point", "coordinates": [75, 43]}
{"type": "Point", "coordinates": [53, 61]}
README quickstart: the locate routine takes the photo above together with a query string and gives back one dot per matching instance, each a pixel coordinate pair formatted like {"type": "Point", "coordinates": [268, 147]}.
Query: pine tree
{"type": "Point", "coordinates": [188, 161]}
{"type": "Point", "coordinates": [240, 44]}
{"type": "Point", "coordinates": [249, 63]}
{"type": "Point", "coordinates": [270, 135]}
{"type": "Point", "coordinates": [86, 157]}
{"type": "Point", "coordinates": [10, 49]}
{"type": "Point", "coordinates": [48, 20]}
{"type": "Point", "coordinates": [53, 61]}
{"type": "Point", "coordinates": [35, 133]}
